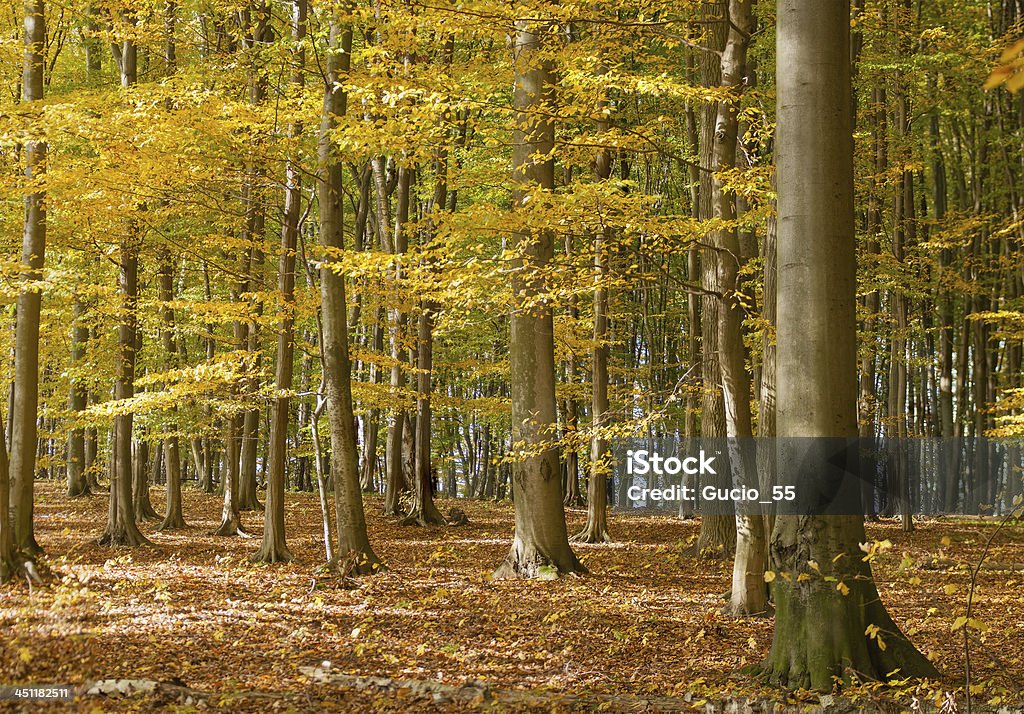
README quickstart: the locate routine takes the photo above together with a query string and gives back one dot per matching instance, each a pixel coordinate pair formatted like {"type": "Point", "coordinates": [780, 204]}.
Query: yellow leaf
{"type": "Point", "coordinates": [976, 624]}
{"type": "Point", "coordinates": [958, 623]}
{"type": "Point", "coordinates": [25, 654]}
{"type": "Point", "coordinates": [769, 576]}
{"type": "Point", "coordinates": [1015, 81]}
{"type": "Point", "coordinates": [843, 588]}
{"type": "Point", "coordinates": [997, 77]}
{"type": "Point", "coordinates": [950, 589]}
{"type": "Point", "coordinates": [1012, 51]}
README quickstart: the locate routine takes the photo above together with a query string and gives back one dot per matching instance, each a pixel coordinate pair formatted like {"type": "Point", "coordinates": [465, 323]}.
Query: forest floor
{"type": "Point", "coordinates": [644, 624]}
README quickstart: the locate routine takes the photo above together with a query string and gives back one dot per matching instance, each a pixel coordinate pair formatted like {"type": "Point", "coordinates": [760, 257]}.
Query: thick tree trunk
{"type": "Point", "coordinates": [247, 486]}
{"type": "Point", "coordinates": [25, 397]}
{"type": "Point", "coordinates": [173, 518]}
{"type": "Point", "coordinates": [353, 542]}
{"type": "Point", "coordinates": [540, 547]}
{"type": "Point", "coordinates": [821, 629]}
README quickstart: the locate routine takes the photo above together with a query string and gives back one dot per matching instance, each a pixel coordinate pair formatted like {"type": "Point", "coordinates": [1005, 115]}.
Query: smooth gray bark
{"type": "Point", "coordinates": [78, 484]}
{"type": "Point", "coordinates": [820, 630]}
{"type": "Point", "coordinates": [596, 528]}
{"type": "Point", "coordinates": [354, 551]}
{"type": "Point", "coordinates": [274, 547]}
{"type": "Point", "coordinates": [540, 547]}
{"type": "Point", "coordinates": [25, 397]}
{"type": "Point", "coordinates": [121, 526]}
{"type": "Point", "coordinates": [173, 519]}
{"type": "Point", "coordinates": [749, 595]}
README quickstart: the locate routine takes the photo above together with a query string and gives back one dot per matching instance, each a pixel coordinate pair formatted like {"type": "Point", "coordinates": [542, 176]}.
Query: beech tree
{"type": "Point", "coordinates": [596, 528]}
{"type": "Point", "coordinates": [353, 543]}
{"type": "Point", "coordinates": [121, 526]}
{"type": "Point", "coordinates": [823, 628]}
{"type": "Point", "coordinates": [24, 410]}
{"type": "Point", "coordinates": [540, 547]}
{"type": "Point", "coordinates": [274, 548]}
{"type": "Point", "coordinates": [749, 595]}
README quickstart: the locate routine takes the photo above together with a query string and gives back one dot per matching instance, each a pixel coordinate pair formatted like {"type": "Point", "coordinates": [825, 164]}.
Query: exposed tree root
{"type": "Point", "coordinates": [173, 522]}
{"type": "Point", "coordinates": [823, 638]}
{"type": "Point", "coordinates": [355, 564]}
{"type": "Point", "coordinates": [122, 536]}
{"type": "Point", "coordinates": [424, 513]}
{"type": "Point", "coordinates": [527, 562]}
{"type": "Point", "coordinates": [232, 526]}
{"type": "Point", "coordinates": [82, 490]}
{"type": "Point", "coordinates": [20, 566]}
{"type": "Point", "coordinates": [592, 535]}
{"type": "Point", "coordinates": [250, 502]}
{"type": "Point", "coordinates": [272, 553]}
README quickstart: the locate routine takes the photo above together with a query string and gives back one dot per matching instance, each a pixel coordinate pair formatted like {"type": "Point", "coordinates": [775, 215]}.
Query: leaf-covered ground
{"type": "Point", "coordinates": [645, 623]}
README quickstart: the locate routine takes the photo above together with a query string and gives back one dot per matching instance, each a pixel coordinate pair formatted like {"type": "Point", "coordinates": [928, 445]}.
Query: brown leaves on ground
{"type": "Point", "coordinates": [193, 611]}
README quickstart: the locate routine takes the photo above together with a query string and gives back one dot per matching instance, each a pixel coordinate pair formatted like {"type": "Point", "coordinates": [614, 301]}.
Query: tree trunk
{"type": "Point", "coordinates": [173, 519]}
{"type": "Point", "coordinates": [78, 484]}
{"type": "Point", "coordinates": [749, 594]}
{"type": "Point", "coordinates": [274, 548]}
{"type": "Point", "coordinates": [258, 34]}
{"type": "Point", "coordinates": [25, 408]}
{"type": "Point", "coordinates": [717, 537]}
{"type": "Point", "coordinates": [540, 547]}
{"type": "Point", "coordinates": [820, 632]}
{"type": "Point", "coordinates": [8, 553]}
{"type": "Point", "coordinates": [353, 542]}
{"type": "Point", "coordinates": [423, 511]}
{"type": "Point", "coordinates": [596, 528]}
{"type": "Point", "coordinates": [230, 517]}
{"type": "Point", "coordinates": [140, 482]}
{"type": "Point", "coordinates": [121, 527]}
